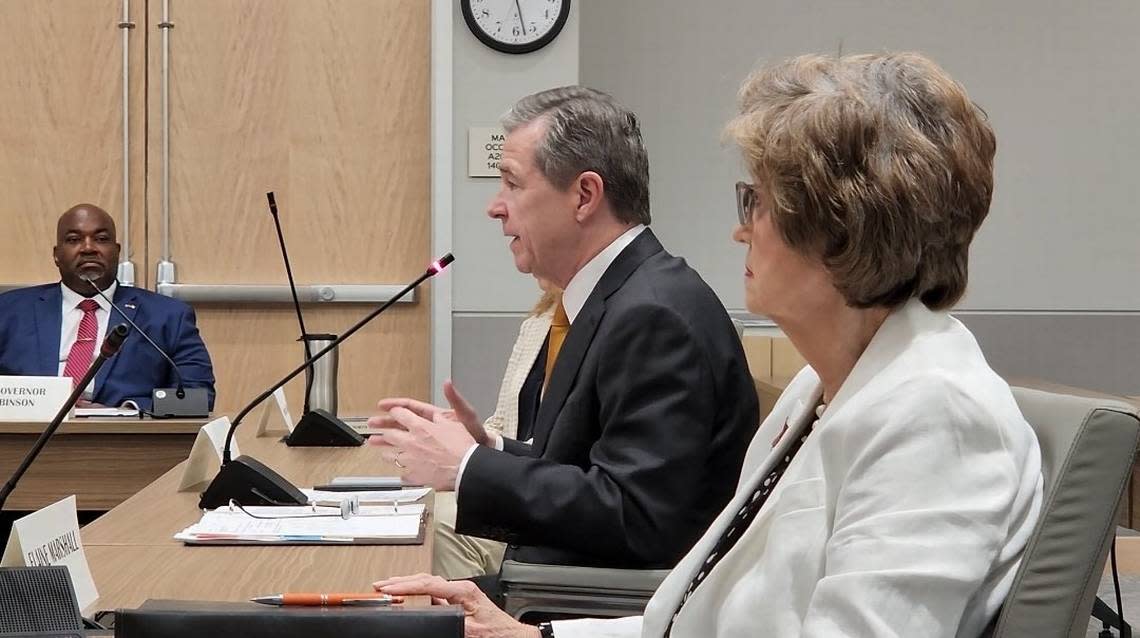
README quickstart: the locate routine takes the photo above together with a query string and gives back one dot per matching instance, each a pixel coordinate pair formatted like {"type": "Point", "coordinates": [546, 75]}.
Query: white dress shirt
{"type": "Point", "coordinates": [573, 298]}
{"type": "Point", "coordinates": [69, 327]}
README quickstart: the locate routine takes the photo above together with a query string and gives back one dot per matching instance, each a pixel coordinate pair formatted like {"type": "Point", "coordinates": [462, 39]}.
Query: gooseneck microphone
{"type": "Point", "coordinates": [293, 289]}
{"type": "Point", "coordinates": [197, 405]}
{"type": "Point", "coordinates": [181, 390]}
{"type": "Point", "coordinates": [111, 344]}
{"type": "Point", "coordinates": [246, 480]}
{"type": "Point", "coordinates": [317, 427]}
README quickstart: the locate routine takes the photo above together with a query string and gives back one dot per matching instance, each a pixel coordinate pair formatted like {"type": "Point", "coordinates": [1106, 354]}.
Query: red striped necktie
{"type": "Point", "coordinates": [83, 350]}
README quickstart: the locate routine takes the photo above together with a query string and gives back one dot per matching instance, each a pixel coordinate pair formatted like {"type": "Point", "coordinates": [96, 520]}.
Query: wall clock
{"type": "Point", "coordinates": [516, 26]}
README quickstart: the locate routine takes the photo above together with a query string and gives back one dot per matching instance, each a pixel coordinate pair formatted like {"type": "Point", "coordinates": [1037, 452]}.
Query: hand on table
{"type": "Point", "coordinates": [483, 618]}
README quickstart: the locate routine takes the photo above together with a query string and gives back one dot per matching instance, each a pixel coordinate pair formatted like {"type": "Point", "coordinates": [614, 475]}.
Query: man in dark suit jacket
{"type": "Point", "coordinates": [643, 424]}
{"type": "Point", "coordinates": [32, 320]}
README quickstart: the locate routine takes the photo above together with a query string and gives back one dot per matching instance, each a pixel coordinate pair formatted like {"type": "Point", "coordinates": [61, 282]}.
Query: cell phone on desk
{"type": "Point", "coordinates": [363, 484]}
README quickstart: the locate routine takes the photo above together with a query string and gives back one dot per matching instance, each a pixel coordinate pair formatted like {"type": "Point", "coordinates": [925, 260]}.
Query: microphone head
{"type": "Point", "coordinates": [114, 340]}
{"type": "Point", "coordinates": [272, 202]}
{"type": "Point", "coordinates": [443, 262]}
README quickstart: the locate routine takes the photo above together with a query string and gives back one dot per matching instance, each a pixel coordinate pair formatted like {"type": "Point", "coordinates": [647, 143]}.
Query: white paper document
{"type": "Point", "coordinates": [304, 524]}
{"type": "Point", "coordinates": [106, 412]}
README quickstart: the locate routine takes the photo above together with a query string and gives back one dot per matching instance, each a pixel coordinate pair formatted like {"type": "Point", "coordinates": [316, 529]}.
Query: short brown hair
{"type": "Point", "coordinates": [879, 164]}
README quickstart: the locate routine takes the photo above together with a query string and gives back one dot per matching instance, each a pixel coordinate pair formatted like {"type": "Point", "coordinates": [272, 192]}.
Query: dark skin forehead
{"type": "Point", "coordinates": [81, 217]}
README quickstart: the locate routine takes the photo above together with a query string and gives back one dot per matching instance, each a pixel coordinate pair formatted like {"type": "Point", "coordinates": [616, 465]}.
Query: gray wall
{"type": "Point", "coordinates": [490, 297]}
{"type": "Point", "coordinates": [1099, 351]}
{"type": "Point", "coordinates": [1055, 77]}
{"type": "Point", "coordinates": [485, 84]}
{"type": "Point", "coordinates": [1058, 82]}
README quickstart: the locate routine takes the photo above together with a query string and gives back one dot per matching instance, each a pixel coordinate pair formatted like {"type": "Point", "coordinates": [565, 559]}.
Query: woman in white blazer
{"type": "Point", "coordinates": [895, 483]}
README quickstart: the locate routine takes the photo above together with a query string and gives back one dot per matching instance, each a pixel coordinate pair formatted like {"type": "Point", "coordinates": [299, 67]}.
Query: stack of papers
{"type": "Point", "coordinates": [307, 525]}
{"type": "Point", "coordinates": [102, 412]}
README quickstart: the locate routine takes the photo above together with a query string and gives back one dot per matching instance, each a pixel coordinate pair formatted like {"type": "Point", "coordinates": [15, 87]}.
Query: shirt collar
{"type": "Point", "coordinates": [586, 279]}
{"type": "Point", "coordinates": [71, 298]}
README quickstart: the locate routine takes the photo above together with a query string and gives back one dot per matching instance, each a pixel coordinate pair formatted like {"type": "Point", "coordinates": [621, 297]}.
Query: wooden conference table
{"type": "Point", "coordinates": [102, 461]}
{"type": "Point", "coordinates": [133, 556]}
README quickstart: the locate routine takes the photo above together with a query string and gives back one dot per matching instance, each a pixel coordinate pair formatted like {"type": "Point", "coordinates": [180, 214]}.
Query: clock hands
{"type": "Point", "coordinates": [521, 21]}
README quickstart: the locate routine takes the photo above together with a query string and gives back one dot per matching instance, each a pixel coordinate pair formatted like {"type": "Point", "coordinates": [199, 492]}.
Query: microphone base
{"type": "Point", "coordinates": [319, 428]}
{"type": "Point", "coordinates": [248, 481]}
{"type": "Point", "coordinates": [167, 405]}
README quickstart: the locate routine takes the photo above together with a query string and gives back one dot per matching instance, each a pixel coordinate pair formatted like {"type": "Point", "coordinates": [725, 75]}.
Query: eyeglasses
{"type": "Point", "coordinates": [746, 202]}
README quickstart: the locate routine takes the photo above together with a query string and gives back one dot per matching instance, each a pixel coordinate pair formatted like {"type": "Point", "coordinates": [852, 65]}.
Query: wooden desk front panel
{"type": "Point", "coordinates": [102, 463]}
{"type": "Point", "coordinates": [127, 576]}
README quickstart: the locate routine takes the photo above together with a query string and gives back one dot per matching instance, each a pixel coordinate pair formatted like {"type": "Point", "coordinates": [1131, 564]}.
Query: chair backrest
{"type": "Point", "coordinates": [739, 325]}
{"type": "Point", "coordinates": [38, 599]}
{"type": "Point", "coordinates": [1087, 449]}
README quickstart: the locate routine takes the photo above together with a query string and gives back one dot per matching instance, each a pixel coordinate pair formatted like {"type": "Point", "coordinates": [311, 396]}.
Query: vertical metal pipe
{"type": "Point", "coordinates": [165, 266]}
{"type": "Point", "coordinates": [166, 129]}
{"type": "Point", "coordinates": [126, 272]}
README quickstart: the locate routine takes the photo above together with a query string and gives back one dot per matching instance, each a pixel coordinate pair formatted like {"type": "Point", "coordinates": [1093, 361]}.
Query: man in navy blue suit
{"type": "Point", "coordinates": [54, 329]}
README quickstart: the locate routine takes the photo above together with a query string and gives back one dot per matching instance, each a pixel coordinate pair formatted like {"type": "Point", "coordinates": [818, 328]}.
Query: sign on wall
{"type": "Point", "coordinates": [484, 150]}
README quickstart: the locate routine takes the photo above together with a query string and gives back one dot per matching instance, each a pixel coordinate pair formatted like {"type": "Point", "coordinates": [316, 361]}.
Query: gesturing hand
{"type": "Point", "coordinates": [460, 411]}
{"type": "Point", "coordinates": [427, 452]}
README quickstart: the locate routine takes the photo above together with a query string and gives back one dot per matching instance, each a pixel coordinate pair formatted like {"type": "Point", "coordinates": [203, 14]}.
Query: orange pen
{"type": "Point", "coordinates": [329, 600]}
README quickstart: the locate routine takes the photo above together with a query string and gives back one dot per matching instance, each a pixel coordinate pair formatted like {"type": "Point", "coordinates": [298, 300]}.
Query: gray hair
{"type": "Point", "coordinates": [588, 130]}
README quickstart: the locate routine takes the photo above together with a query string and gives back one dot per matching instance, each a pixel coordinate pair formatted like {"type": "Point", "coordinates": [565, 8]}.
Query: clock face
{"type": "Point", "coordinates": [516, 26]}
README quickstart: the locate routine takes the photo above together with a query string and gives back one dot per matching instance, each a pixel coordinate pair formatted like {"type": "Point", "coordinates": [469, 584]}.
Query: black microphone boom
{"type": "Point", "coordinates": [249, 482]}
{"type": "Point", "coordinates": [111, 344]}
{"type": "Point", "coordinates": [317, 427]}
{"type": "Point", "coordinates": [292, 288]}
{"type": "Point", "coordinates": [195, 404]}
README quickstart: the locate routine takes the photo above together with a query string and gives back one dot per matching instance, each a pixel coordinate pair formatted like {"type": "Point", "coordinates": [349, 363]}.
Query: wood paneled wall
{"type": "Point", "coordinates": [325, 102]}
{"type": "Point", "coordinates": [61, 86]}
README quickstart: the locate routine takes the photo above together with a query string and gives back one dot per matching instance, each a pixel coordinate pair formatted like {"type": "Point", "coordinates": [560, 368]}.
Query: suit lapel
{"type": "Point", "coordinates": [49, 321]}
{"type": "Point", "coordinates": [582, 332]}
{"type": "Point", "coordinates": [125, 298]}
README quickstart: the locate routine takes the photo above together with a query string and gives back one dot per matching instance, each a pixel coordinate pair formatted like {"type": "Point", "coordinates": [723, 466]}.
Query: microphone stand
{"type": "Point", "coordinates": [111, 344]}
{"type": "Point", "coordinates": [246, 480]}
{"type": "Point", "coordinates": [316, 427]}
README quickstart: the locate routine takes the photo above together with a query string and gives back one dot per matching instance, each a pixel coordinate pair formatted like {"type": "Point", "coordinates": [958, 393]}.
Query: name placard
{"type": "Point", "coordinates": [206, 456]}
{"type": "Point", "coordinates": [51, 537]}
{"type": "Point", "coordinates": [263, 426]}
{"type": "Point", "coordinates": [32, 398]}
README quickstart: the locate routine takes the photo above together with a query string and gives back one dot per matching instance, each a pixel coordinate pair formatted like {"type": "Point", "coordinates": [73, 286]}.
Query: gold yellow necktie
{"type": "Point", "coordinates": [559, 326]}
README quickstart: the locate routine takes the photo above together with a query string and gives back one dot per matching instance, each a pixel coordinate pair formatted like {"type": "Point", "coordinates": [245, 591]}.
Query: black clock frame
{"type": "Point", "coordinates": [504, 47]}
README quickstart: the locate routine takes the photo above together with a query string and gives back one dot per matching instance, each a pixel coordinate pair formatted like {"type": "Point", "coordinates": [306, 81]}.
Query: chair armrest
{"type": "Point", "coordinates": [516, 575]}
